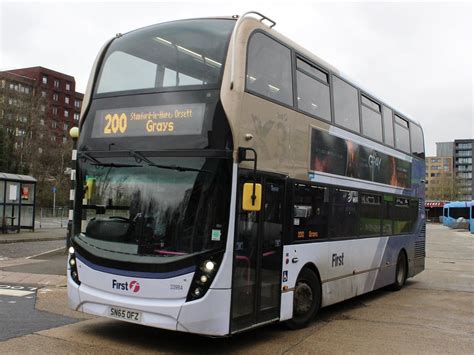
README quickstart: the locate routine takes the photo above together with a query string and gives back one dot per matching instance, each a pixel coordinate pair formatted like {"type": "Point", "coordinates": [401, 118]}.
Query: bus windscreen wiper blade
{"type": "Point", "coordinates": [140, 158]}
{"type": "Point", "coordinates": [97, 162]}
{"type": "Point", "coordinates": [88, 157]}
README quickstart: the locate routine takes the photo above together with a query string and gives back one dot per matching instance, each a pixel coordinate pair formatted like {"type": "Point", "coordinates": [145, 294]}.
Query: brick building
{"type": "Point", "coordinates": [439, 178]}
{"type": "Point", "coordinates": [62, 104]}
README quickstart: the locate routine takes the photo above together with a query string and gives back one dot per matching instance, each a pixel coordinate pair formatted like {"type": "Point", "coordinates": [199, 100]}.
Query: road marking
{"type": "Point", "coordinates": [16, 293]}
{"type": "Point", "coordinates": [46, 252]}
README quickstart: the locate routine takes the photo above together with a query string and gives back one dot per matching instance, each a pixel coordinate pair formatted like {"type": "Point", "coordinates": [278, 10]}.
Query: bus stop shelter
{"type": "Point", "coordinates": [17, 202]}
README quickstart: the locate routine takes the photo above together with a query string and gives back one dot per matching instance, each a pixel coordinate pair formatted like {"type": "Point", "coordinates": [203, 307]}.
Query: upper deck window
{"type": "Point", "coordinates": [346, 105]}
{"type": "Point", "coordinates": [170, 55]}
{"type": "Point", "coordinates": [312, 90]}
{"type": "Point", "coordinates": [269, 69]}
{"type": "Point", "coordinates": [371, 118]}
{"type": "Point", "coordinates": [417, 145]}
{"type": "Point", "coordinates": [402, 135]}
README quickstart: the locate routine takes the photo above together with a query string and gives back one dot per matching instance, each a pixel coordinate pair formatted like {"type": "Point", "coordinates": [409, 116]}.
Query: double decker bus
{"type": "Point", "coordinates": [227, 178]}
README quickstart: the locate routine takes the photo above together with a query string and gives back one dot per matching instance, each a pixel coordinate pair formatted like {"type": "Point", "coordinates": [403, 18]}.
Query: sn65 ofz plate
{"type": "Point", "coordinates": [125, 314]}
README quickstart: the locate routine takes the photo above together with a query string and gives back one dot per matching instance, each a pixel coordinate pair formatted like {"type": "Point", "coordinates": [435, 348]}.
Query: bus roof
{"type": "Point", "coordinates": [458, 204]}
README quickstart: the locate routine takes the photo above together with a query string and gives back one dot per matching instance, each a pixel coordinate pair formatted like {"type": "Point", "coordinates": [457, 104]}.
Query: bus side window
{"type": "Point", "coordinates": [311, 211]}
{"type": "Point", "coordinates": [269, 69]}
{"type": "Point", "coordinates": [344, 213]}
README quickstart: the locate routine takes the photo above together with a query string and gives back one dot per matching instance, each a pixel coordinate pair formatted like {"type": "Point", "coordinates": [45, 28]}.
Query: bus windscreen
{"type": "Point", "coordinates": [166, 56]}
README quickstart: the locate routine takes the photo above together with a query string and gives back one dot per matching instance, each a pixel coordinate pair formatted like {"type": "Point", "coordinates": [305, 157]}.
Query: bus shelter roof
{"type": "Point", "coordinates": [16, 177]}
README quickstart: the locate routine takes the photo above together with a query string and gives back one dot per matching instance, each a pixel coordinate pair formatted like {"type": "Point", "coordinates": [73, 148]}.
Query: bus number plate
{"type": "Point", "coordinates": [126, 314]}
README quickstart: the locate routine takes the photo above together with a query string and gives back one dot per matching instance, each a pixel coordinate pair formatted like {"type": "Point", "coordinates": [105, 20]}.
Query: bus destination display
{"type": "Point", "coordinates": [164, 120]}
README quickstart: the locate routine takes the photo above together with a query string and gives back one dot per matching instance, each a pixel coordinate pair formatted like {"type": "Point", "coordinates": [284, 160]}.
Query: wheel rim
{"type": "Point", "coordinates": [303, 298]}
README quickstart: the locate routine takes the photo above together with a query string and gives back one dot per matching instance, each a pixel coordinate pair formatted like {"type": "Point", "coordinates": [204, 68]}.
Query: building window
{"type": "Point", "coordinates": [66, 113]}
{"type": "Point", "coordinates": [66, 126]}
{"type": "Point", "coordinates": [53, 138]}
{"type": "Point", "coordinates": [55, 111]}
{"type": "Point", "coordinates": [54, 124]}
{"type": "Point", "coordinates": [56, 83]}
{"type": "Point", "coordinates": [45, 79]}
{"type": "Point", "coordinates": [55, 97]}
{"type": "Point", "coordinates": [76, 116]}
{"type": "Point", "coordinates": [77, 104]}
{"type": "Point", "coordinates": [269, 69]}
{"type": "Point", "coordinates": [66, 99]}
{"type": "Point", "coordinates": [42, 108]}
{"type": "Point", "coordinates": [346, 105]}
{"type": "Point", "coordinates": [41, 122]}
{"type": "Point", "coordinates": [43, 93]}
{"type": "Point", "coordinates": [68, 86]}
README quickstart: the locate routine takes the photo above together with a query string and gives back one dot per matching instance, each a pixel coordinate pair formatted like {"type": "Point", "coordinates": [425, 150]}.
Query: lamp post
{"type": "Point", "coordinates": [74, 133]}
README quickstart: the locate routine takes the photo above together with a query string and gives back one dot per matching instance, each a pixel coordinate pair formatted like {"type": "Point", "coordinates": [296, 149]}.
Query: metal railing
{"type": "Point", "coordinates": [48, 217]}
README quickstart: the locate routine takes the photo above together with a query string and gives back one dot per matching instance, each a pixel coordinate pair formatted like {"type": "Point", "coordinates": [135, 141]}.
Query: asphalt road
{"type": "Point", "coordinates": [49, 263]}
{"type": "Point", "coordinates": [21, 250]}
{"type": "Point", "coordinates": [19, 315]}
{"type": "Point", "coordinates": [434, 313]}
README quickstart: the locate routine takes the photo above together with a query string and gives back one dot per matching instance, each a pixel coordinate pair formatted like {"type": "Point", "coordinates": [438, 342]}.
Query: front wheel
{"type": "Point", "coordinates": [306, 299]}
{"type": "Point", "coordinates": [400, 272]}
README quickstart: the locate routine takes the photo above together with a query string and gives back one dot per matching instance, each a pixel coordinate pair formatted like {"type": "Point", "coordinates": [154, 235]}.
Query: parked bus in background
{"type": "Point", "coordinates": [228, 178]}
{"type": "Point", "coordinates": [453, 211]}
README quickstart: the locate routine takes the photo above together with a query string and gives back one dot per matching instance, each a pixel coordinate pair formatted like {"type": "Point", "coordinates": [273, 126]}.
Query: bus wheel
{"type": "Point", "coordinates": [306, 299]}
{"type": "Point", "coordinates": [400, 272]}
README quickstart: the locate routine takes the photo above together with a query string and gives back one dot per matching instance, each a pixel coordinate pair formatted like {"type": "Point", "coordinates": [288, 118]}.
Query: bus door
{"type": "Point", "coordinates": [258, 257]}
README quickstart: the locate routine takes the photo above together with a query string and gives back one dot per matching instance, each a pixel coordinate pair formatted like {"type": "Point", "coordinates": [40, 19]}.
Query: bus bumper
{"type": "Point", "coordinates": [209, 315]}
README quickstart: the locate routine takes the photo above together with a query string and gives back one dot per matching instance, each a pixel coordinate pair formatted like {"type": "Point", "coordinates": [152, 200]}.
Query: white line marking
{"type": "Point", "coordinates": [11, 301]}
{"type": "Point", "coordinates": [46, 252]}
{"type": "Point", "coordinates": [15, 293]}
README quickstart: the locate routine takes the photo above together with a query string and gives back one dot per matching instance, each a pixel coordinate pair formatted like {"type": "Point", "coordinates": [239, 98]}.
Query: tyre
{"type": "Point", "coordinates": [401, 271]}
{"type": "Point", "coordinates": [306, 299]}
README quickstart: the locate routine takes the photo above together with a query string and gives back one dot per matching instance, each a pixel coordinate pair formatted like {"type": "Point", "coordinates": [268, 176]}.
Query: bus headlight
{"type": "Point", "coordinates": [73, 266]}
{"type": "Point", "coordinates": [203, 277]}
{"type": "Point", "coordinates": [209, 266]}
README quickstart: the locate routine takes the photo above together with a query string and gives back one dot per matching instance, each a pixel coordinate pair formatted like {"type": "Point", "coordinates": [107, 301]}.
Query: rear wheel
{"type": "Point", "coordinates": [306, 299]}
{"type": "Point", "coordinates": [401, 271]}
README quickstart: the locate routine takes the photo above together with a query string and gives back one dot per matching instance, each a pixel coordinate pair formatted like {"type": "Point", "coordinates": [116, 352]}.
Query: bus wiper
{"type": "Point", "coordinates": [139, 157]}
{"type": "Point", "coordinates": [96, 162]}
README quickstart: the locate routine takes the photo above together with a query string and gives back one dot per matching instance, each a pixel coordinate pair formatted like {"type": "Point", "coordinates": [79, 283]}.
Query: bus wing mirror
{"type": "Point", "coordinates": [252, 197]}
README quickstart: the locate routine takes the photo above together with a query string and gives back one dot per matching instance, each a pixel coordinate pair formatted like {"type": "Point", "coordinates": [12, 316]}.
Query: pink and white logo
{"type": "Point", "coordinates": [135, 286]}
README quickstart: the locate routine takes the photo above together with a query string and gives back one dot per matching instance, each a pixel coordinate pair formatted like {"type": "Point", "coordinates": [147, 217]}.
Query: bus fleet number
{"type": "Point", "coordinates": [115, 123]}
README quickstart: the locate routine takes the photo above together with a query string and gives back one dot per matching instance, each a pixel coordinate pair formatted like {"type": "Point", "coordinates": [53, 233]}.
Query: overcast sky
{"type": "Point", "coordinates": [418, 57]}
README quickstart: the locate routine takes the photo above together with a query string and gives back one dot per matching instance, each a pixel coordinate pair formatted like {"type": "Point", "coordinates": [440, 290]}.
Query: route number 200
{"type": "Point", "coordinates": [115, 123]}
